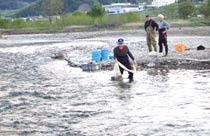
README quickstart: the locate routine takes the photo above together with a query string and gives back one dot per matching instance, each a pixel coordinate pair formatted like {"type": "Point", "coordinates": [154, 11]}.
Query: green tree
{"type": "Point", "coordinates": [53, 8]}
{"type": "Point", "coordinates": [205, 8]}
{"type": "Point", "coordinates": [186, 9]}
{"type": "Point", "coordinates": [96, 11]}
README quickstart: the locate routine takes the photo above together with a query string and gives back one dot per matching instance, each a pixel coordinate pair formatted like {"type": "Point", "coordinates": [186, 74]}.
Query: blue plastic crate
{"type": "Point", "coordinates": [105, 54]}
{"type": "Point", "coordinates": [96, 55]}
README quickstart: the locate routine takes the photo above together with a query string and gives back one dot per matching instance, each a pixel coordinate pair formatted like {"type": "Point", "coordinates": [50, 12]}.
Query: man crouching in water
{"type": "Point", "coordinates": [121, 53]}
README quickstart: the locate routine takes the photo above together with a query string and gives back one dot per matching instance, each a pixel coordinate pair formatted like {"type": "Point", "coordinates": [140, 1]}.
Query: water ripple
{"type": "Point", "coordinates": [41, 96]}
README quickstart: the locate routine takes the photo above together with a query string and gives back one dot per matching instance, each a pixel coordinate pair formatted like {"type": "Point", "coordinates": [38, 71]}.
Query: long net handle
{"type": "Point", "coordinates": [126, 69]}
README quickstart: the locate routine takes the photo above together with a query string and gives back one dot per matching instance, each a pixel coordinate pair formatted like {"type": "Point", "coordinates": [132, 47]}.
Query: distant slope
{"type": "Point", "coordinates": [14, 4]}
{"type": "Point", "coordinates": [31, 10]}
{"type": "Point", "coordinates": [35, 9]}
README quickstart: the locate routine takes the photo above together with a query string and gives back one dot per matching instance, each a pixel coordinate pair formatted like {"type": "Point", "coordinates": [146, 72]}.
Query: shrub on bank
{"type": "Point", "coordinates": [108, 21]}
{"type": "Point", "coordinates": [38, 24]}
{"type": "Point", "coordinates": [17, 23]}
{"type": "Point", "coordinates": [117, 20]}
{"type": "Point", "coordinates": [170, 11]}
{"type": "Point", "coordinates": [186, 9]}
{"type": "Point", "coordinates": [77, 20]}
{"type": "Point", "coordinates": [129, 17]}
{"type": "Point", "coordinates": [4, 23]}
{"type": "Point", "coordinates": [205, 8]}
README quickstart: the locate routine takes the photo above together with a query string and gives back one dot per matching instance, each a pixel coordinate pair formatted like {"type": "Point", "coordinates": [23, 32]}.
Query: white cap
{"type": "Point", "coordinates": [161, 16]}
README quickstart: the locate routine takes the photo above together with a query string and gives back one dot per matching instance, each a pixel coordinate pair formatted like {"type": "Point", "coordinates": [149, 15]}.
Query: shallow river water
{"type": "Point", "coordinates": [40, 96]}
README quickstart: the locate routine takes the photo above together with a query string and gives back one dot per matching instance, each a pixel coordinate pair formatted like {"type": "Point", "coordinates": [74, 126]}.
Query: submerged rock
{"type": "Point", "coordinates": [151, 64]}
{"type": "Point", "coordinates": [91, 67]}
{"type": "Point", "coordinates": [116, 78]}
{"type": "Point", "coordinates": [59, 55]}
{"type": "Point", "coordinates": [169, 63]}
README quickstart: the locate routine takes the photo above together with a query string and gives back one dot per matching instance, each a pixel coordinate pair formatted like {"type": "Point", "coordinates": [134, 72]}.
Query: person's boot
{"type": "Point", "coordinates": [131, 80]}
{"type": "Point", "coordinates": [155, 48]}
{"type": "Point", "coordinates": [166, 51]}
{"type": "Point", "coordinates": [160, 54]}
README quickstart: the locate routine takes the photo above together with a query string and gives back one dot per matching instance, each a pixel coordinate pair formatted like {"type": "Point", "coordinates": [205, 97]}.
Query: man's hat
{"type": "Point", "coordinates": [120, 41]}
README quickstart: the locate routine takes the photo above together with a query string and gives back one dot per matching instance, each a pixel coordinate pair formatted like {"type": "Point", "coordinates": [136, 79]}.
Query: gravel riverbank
{"type": "Point", "coordinates": [78, 45]}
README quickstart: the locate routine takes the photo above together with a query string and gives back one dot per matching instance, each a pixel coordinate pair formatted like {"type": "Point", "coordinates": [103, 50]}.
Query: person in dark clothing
{"type": "Point", "coordinates": [121, 53]}
{"type": "Point", "coordinates": [163, 27]}
{"type": "Point", "coordinates": [151, 27]}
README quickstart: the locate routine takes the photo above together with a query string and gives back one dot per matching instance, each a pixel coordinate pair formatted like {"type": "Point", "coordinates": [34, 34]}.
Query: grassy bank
{"type": "Point", "coordinates": [68, 23]}
{"type": "Point", "coordinates": [83, 22]}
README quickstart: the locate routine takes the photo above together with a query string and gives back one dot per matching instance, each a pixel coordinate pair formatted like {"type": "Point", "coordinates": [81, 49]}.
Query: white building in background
{"type": "Point", "coordinates": [121, 8]}
{"type": "Point", "coordinates": [160, 3]}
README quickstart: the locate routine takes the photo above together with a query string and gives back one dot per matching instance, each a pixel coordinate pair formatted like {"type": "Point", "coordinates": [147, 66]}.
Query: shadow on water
{"type": "Point", "coordinates": [124, 85]}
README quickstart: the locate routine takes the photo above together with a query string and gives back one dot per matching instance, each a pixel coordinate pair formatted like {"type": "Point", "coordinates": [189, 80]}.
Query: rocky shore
{"type": "Point", "coordinates": [78, 46]}
{"type": "Point", "coordinates": [178, 30]}
{"type": "Point", "coordinates": [189, 59]}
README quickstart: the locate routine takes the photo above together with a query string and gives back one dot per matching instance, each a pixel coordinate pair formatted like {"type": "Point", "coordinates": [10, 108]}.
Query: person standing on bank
{"type": "Point", "coordinates": [151, 27]}
{"type": "Point", "coordinates": [121, 53]}
{"type": "Point", "coordinates": [162, 30]}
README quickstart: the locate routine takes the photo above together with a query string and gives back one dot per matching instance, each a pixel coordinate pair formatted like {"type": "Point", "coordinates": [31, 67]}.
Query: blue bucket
{"type": "Point", "coordinates": [111, 57]}
{"type": "Point", "coordinates": [105, 54]}
{"type": "Point", "coordinates": [96, 55]}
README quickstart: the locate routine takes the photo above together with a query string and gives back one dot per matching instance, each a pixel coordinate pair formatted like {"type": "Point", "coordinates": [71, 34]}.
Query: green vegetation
{"type": "Point", "coordinates": [205, 8]}
{"type": "Point", "coordinates": [77, 20]}
{"type": "Point", "coordinates": [38, 8]}
{"type": "Point", "coordinates": [31, 10]}
{"type": "Point", "coordinates": [96, 18]}
{"type": "Point", "coordinates": [14, 4]}
{"type": "Point", "coordinates": [96, 11]}
{"type": "Point", "coordinates": [4, 23]}
{"type": "Point", "coordinates": [71, 20]}
{"type": "Point", "coordinates": [170, 11]}
{"type": "Point", "coordinates": [53, 7]}
{"type": "Point", "coordinates": [186, 9]}
{"type": "Point", "coordinates": [70, 6]}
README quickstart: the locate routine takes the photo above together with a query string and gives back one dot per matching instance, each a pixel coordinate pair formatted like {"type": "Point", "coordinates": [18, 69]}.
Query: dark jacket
{"type": "Point", "coordinates": [151, 23]}
{"type": "Point", "coordinates": [122, 55]}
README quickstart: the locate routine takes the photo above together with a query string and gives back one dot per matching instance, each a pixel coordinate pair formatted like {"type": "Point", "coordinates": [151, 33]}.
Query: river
{"type": "Point", "coordinates": [40, 96]}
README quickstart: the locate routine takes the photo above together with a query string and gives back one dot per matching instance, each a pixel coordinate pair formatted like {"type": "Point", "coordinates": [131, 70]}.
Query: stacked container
{"type": "Point", "coordinates": [101, 55]}
{"type": "Point", "coordinates": [96, 55]}
{"type": "Point", "coordinates": [105, 54]}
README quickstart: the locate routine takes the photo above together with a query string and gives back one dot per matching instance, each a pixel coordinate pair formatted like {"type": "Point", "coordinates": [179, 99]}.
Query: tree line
{"type": "Point", "coordinates": [69, 6]}
{"type": "Point", "coordinates": [187, 8]}
{"type": "Point", "coordinates": [96, 15]}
